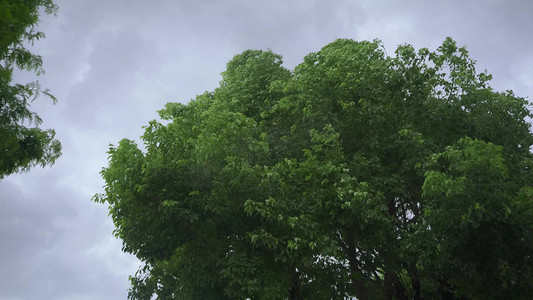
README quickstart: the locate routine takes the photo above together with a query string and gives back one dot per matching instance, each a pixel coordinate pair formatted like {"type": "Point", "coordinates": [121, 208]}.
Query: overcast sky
{"type": "Point", "coordinates": [113, 63]}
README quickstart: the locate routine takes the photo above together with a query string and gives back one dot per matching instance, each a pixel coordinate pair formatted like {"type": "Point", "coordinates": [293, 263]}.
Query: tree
{"type": "Point", "coordinates": [22, 146]}
{"type": "Point", "coordinates": [355, 175]}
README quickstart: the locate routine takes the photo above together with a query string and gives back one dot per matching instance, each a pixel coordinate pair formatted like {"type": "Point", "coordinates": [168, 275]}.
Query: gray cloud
{"type": "Point", "coordinates": [113, 64]}
{"type": "Point", "coordinates": [53, 245]}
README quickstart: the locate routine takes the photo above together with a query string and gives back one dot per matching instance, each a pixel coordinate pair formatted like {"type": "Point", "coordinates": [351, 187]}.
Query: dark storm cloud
{"type": "Point", "coordinates": [112, 64]}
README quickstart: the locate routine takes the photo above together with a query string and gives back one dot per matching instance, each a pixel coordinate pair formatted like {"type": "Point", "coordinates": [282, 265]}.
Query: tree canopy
{"type": "Point", "coordinates": [22, 143]}
{"type": "Point", "coordinates": [357, 174]}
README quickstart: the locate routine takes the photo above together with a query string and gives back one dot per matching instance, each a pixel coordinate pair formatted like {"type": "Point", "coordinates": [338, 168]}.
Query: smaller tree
{"type": "Point", "coordinates": [22, 143]}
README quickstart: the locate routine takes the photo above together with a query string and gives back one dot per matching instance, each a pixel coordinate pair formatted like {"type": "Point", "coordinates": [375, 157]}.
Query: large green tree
{"type": "Point", "coordinates": [22, 143]}
{"type": "Point", "coordinates": [356, 174]}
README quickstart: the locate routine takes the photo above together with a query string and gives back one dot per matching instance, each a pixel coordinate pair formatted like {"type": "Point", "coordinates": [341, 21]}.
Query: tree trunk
{"type": "Point", "coordinates": [295, 293]}
{"type": "Point", "coordinates": [415, 281]}
{"type": "Point", "coordinates": [388, 288]}
{"type": "Point", "coordinates": [444, 291]}
{"type": "Point", "coordinates": [360, 289]}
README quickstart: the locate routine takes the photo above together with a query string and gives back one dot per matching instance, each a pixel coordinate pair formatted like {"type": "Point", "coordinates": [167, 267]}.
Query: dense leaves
{"type": "Point", "coordinates": [22, 143]}
{"type": "Point", "coordinates": [355, 175]}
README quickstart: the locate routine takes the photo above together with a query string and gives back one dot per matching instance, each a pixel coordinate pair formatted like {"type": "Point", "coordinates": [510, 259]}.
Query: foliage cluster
{"type": "Point", "coordinates": [356, 174]}
{"type": "Point", "coordinates": [22, 143]}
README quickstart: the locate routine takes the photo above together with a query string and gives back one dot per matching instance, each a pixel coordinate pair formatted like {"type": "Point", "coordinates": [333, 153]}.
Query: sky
{"type": "Point", "coordinates": [113, 63]}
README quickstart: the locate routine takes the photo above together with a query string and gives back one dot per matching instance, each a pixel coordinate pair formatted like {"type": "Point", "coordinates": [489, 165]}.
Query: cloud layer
{"type": "Point", "coordinates": [113, 64]}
